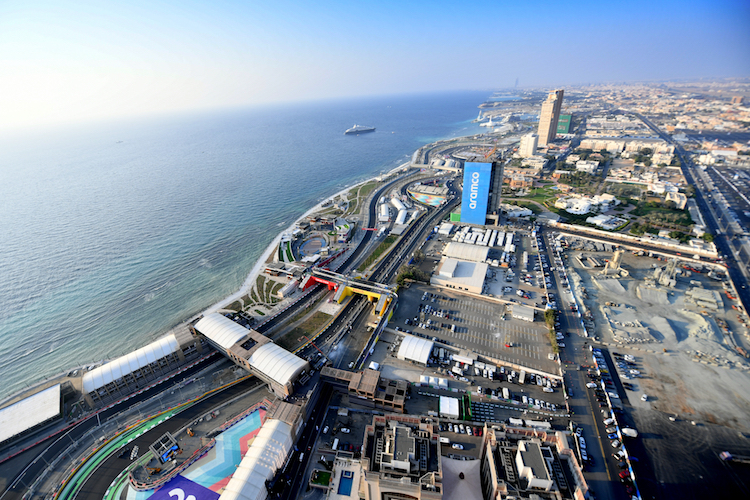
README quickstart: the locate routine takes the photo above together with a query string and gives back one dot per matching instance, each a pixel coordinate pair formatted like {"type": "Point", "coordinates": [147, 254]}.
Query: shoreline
{"type": "Point", "coordinates": [255, 271]}
{"type": "Point", "coordinates": [243, 289]}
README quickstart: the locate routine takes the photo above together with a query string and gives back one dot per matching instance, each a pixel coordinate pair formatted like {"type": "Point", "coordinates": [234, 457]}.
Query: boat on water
{"type": "Point", "coordinates": [359, 129]}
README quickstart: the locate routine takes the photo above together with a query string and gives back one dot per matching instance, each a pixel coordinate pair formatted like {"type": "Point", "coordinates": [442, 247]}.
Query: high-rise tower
{"type": "Point", "coordinates": [549, 116]}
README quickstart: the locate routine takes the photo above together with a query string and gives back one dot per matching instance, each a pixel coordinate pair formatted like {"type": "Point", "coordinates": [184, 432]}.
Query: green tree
{"type": "Point", "coordinates": [708, 237]}
{"type": "Point", "coordinates": [412, 273]}
{"type": "Point", "coordinates": [549, 317]}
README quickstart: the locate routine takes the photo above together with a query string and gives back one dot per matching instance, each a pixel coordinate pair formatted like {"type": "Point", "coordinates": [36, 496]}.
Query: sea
{"type": "Point", "coordinates": [113, 233]}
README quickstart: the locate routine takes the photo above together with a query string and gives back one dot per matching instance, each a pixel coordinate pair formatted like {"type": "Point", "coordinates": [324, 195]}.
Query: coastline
{"type": "Point", "coordinates": [271, 248]}
{"type": "Point", "coordinates": [243, 289]}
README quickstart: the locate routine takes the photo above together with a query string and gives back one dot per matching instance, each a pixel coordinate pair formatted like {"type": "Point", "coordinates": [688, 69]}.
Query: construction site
{"type": "Point", "coordinates": [680, 318]}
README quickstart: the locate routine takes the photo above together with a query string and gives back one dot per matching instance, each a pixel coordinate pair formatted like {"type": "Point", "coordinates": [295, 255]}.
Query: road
{"type": "Point", "coordinates": [346, 266]}
{"type": "Point", "coordinates": [602, 470]}
{"type": "Point", "coordinates": [734, 268]}
{"type": "Point", "coordinates": [33, 461]}
{"type": "Point", "coordinates": [96, 484]}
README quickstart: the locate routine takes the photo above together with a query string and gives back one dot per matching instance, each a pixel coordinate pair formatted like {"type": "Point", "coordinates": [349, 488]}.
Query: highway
{"type": "Point", "coordinates": [346, 266]}
{"type": "Point", "coordinates": [586, 411]}
{"type": "Point", "coordinates": [734, 268]}
{"type": "Point", "coordinates": [384, 272]}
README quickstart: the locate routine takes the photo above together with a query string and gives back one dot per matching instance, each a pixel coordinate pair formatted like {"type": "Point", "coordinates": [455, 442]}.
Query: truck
{"type": "Point", "coordinates": [506, 393]}
{"type": "Point", "coordinates": [522, 377]}
{"type": "Point", "coordinates": [335, 445]}
{"type": "Point", "coordinates": [445, 440]}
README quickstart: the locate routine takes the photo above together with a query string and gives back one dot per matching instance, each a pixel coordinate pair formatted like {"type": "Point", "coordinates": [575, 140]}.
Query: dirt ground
{"type": "Point", "coordinates": [688, 366]}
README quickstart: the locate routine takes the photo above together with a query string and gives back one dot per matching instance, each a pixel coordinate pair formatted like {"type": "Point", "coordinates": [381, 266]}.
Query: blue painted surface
{"type": "Point", "coordinates": [476, 190]}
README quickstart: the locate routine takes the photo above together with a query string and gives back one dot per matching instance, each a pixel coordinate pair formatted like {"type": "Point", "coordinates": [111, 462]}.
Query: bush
{"type": "Point", "coordinates": [412, 273]}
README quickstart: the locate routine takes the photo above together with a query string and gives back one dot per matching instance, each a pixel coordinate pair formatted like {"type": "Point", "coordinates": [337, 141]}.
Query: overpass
{"type": "Point", "coordinates": [345, 287]}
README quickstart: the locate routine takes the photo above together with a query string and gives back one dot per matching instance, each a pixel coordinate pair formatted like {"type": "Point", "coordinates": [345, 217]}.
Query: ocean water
{"type": "Point", "coordinates": [113, 233]}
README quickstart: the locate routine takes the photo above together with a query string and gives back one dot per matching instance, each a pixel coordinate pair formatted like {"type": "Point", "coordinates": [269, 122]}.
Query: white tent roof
{"type": "Point", "coordinates": [277, 363]}
{"type": "Point", "coordinates": [415, 349]}
{"type": "Point", "coordinates": [103, 375]}
{"type": "Point", "coordinates": [264, 457]}
{"type": "Point", "coordinates": [448, 407]}
{"type": "Point", "coordinates": [221, 330]}
{"type": "Point", "coordinates": [464, 251]}
{"type": "Point", "coordinates": [28, 412]}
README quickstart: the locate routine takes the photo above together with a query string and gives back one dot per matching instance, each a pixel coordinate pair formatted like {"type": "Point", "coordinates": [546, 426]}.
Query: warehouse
{"type": "Point", "coordinates": [461, 274]}
{"type": "Point", "coordinates": [464, 251]}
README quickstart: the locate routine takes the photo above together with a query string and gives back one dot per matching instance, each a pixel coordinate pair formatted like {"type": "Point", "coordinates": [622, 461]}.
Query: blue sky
{"type": "Point", "coordinates": [81, 60]}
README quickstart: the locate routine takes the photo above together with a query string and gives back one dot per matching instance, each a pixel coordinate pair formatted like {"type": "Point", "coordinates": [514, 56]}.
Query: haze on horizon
{"type": "Point", "coordinates": [90, 60]}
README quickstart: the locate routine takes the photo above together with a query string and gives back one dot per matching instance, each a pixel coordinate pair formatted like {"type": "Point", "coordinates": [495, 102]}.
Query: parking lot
{"type": "Point", "coordinates": [476, 325]}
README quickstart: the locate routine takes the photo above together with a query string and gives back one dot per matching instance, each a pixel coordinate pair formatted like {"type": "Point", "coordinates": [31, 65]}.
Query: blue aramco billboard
{"type": "Point", "coordinates": [476, 190]}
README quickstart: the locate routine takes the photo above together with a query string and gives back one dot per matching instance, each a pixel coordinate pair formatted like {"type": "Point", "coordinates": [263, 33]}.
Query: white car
{"type": "Point", "coordinates": [644, 397]}
{"type": "Point", "coordinates": [345, 430]}
{"type": "Point", "coordinates": [325, 430]}
{"type": "Point", "coordinates": [616, 443]}
{"type": "Point", "coordinates": [591, 385]}
{"type": "Point", "coordinates": [457, 446]}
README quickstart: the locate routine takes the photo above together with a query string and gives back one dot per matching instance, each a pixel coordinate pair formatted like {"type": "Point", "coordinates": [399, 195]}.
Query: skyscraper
{"type": "Point", "coordinates": [549, 117]}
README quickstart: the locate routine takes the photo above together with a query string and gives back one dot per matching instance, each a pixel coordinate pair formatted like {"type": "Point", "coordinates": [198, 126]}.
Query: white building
{"type": "Point", "coordinates": [679, 199]}
{"type": "Point", "coordinates": [588, 166]}
{"type": "Point", "coordinates": [527, 148]}
{"type": "Point", "coordinates": [536, 162]}
{"type": "Point", "coordinates": [532, 467]}
{"type": "Point", "coordinates": [461, 274]}
{"type": "Point", "coordinates": [578, 206]}
{"type": "Point", "coordinates": [522, 312]}
{"type": "Point", "coordinates": [515, 211]}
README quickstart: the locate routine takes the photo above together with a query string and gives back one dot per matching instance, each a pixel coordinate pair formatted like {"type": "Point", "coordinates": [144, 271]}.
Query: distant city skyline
{"type": "Point", "coordinates": [86, 60]}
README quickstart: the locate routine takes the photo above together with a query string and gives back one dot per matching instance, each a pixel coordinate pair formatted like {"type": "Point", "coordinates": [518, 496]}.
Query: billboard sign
{"type": "Point", "coordinates": [476, 191]}
{"type": "Point", "coordinates": [182, 488]}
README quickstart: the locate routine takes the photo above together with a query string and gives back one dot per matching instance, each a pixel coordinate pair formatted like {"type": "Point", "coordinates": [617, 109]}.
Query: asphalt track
{"type": "Point", "coordinates": [34, 460]}
{"type": "Point", "coordinates": [102, 471]}
{"type": "Point", "coordinates": [343, 268]}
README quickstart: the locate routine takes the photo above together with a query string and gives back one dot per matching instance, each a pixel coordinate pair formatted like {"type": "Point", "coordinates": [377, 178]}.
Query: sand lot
{"type": "Point", "coordinates": [687, 365]}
